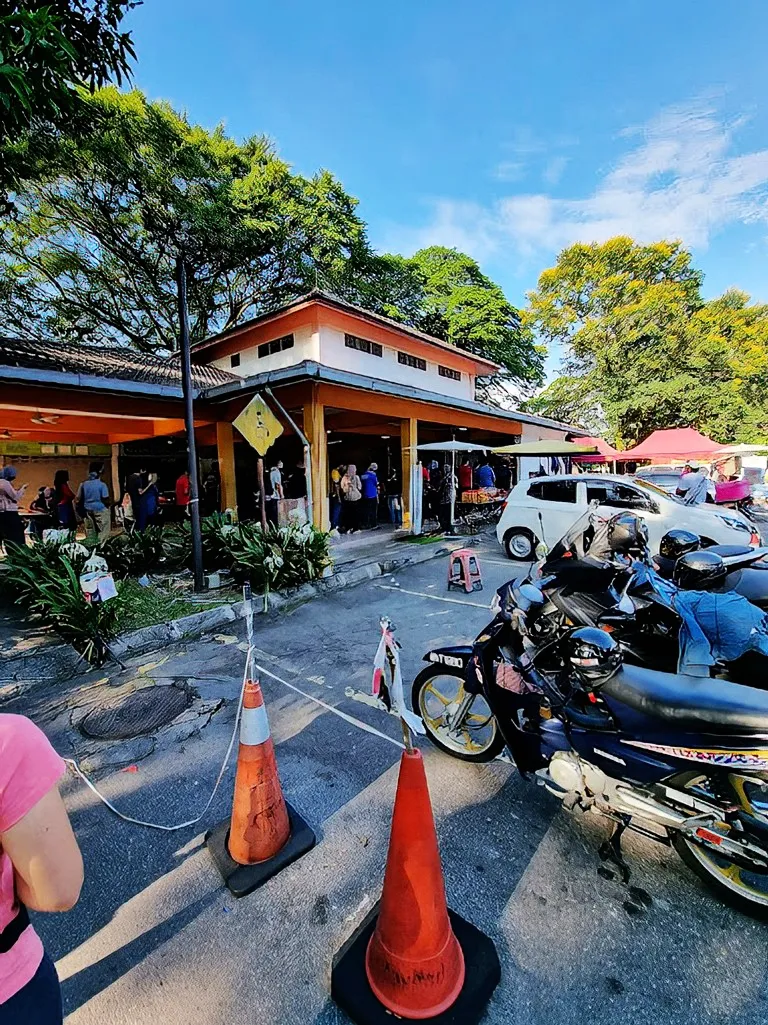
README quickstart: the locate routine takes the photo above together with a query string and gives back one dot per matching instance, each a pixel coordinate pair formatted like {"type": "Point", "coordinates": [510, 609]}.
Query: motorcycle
{"type": "Point", "coordinates": [585, 583]}
{"type": "Point", "coordinates": [678, 759]}
{"type": "Point", "coordinates": [747, 571]}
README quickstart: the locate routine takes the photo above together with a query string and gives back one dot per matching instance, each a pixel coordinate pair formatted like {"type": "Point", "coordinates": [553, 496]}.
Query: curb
{"type": "Point", "coordinates": [62, 658]}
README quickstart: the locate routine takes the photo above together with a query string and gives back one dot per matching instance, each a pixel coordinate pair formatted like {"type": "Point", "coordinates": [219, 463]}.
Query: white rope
{"type": "Point", "coordinates": [192, 822]}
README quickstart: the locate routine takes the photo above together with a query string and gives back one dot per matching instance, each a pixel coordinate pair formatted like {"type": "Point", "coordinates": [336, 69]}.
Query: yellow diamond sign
{"type": "Point", "coordinates": [258, 425]}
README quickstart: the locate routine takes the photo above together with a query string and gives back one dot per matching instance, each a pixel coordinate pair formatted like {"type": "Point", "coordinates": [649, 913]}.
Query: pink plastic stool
{"type": "Point", "coordinates": [464, 571]}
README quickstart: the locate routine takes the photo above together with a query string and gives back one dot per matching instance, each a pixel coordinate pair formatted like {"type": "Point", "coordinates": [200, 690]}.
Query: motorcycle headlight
{"type": "Point", "coordinates": [734, 524]}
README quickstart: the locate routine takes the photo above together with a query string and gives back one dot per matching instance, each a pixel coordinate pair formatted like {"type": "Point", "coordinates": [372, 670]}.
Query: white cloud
{"type": "Point", "coordinates": [681, 179]}
{"type": "Point", "coordinates": [555, 169]}
{"type": "Point", "coordinates": [509, 170]}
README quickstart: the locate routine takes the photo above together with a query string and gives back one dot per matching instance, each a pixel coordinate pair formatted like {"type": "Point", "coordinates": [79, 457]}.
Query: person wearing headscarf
{"type": "Point", "coordinates": [11, 524]}
{"type": "Point", "coordinates": [351, 493]}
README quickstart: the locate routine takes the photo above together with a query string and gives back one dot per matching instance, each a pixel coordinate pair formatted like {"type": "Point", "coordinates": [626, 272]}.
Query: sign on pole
{"type": "Point", "coordinates": [258, 425]}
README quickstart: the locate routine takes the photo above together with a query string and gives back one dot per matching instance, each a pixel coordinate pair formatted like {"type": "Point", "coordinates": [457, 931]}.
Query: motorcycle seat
{"type": "Point", "coordinates": [689, 701]}
{"type": "Point", "coordinates": [730, 551]}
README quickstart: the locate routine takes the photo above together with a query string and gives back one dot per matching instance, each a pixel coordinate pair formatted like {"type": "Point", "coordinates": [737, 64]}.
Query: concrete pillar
{"type": "Point", "coordinates": [115, 474]}
{"type": "Point", "coordinates": [314, 428]}
{"type": "Point", "coordinates": [225, 450]}
{"type": "Point", "coordinates": [409, 456]}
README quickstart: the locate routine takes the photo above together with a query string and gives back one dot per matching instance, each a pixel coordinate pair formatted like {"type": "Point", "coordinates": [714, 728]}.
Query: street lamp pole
{"type": "Point", "coordinates": [189, 423]}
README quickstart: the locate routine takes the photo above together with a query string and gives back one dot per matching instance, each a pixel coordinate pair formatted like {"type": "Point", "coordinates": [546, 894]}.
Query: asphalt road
{"type": "Point", "coordinates": [156, 938]}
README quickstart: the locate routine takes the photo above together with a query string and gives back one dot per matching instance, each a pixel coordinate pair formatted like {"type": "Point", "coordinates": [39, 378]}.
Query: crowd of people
{"type": "Point", "coordinates": [54, 506]}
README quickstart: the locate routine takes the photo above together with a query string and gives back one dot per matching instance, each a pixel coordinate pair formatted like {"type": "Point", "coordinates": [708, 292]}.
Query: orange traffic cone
{"type": "Point", "coordinates": [417, 959]}
{"type": "Point", "coordinates": [264, 833]}
{"type": "Point", "coordinates": [414, 962]}
{"type": "Point", "coordinates": [259, 826]}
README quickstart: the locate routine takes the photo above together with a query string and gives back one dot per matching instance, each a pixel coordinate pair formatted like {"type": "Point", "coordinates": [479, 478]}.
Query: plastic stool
{"type": "Point", "coordinates": [464, 571]}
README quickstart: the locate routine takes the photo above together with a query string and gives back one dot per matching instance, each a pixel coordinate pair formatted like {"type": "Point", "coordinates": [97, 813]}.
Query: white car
{"type": "Point", "coordinates": [542, 509]}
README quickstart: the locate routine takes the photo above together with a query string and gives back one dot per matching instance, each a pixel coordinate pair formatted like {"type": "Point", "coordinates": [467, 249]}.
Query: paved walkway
{"type": "Point", "coordinates": [156, 938]}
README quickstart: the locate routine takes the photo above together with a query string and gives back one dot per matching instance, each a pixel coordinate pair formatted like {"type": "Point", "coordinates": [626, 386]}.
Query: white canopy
{"type": "Point", "coordinates": [452, 446]}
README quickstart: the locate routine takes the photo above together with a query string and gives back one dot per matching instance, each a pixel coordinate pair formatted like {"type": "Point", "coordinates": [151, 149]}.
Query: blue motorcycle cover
{"type": "Point", "coordinates": [717, 627]}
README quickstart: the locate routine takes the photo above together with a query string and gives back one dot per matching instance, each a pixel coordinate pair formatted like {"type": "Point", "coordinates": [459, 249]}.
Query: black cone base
{"type": "Point", "coordinates": [241, 880]}
{"type": "Point", "coordinates": [350, 989]}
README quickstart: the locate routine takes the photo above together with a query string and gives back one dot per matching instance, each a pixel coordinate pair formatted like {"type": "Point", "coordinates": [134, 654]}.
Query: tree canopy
{"type": "Point", "coordinates": [49, 51]}
{"type": "Point", "coordinates": [103, 209]}
{"type": "Point", "coordinates": [644, 350]}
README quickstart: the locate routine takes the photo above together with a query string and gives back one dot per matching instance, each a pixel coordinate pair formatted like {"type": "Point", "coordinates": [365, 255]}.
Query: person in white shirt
{"type": "Point", "coordinates": [693, 485]}
{"type": "Point", "coordinates": [276, 479]}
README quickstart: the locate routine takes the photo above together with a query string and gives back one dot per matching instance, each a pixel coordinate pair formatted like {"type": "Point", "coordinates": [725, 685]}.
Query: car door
{"type": "Point", "coordinates": [557, 504]}
{"type": "Point", "coordinates": [618, 496]}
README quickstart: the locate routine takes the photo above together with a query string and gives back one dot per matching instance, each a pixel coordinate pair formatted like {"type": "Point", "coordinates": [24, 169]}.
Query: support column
{"type": "Point", "coordinates": [314, 429]}
{"type": "Point", "coordinates": [408, 456]}
{"type": "Point", "coordinates": [115, 474]}
{"type": "Point", "coordinates": [225, 451]}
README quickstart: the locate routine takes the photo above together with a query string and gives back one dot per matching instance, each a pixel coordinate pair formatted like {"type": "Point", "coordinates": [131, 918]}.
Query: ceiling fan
{"type": "Point", "coordinates": [45, 418]}
{"type": "Point", "coordinates": [6, 434]}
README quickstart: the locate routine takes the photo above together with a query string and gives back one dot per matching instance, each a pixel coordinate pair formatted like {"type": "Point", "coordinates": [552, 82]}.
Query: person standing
{"type": "Point", "coordinates": [183, 491]}
{"type": "Point", "coordinates": [64, 501]}
{"type": "Point", "coordinates": [335, 511]}
{"type": "Point", "coordinates": [11, 524]}
{"type": "Point", "coordinates": [93, 498]}
{"type": "Point", "coordinates": [40, 868]}
{"type": "Point", "coordinates": [465, 476]}
{"type": "Point", "coordinates": [447, 497]}
{"type": "Point", "coordinates": [351, 494]}
{"type": "Point", "coordinates": [692, 487]}
{"type": "Point", "coordinates": [394, 499]}
{"type": "Point", "coordinates": [370, 483]}
{"type": "Point", "coordinates": [486, 478]}
{"type": "Point", "coordinates": [149, 498]}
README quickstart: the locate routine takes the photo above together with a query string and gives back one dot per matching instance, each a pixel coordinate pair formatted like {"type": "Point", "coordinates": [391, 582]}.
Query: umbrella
{"type": "Point", "coordinates": [548, 448]}
{"type": "Point", "coordinates": [453, 447]}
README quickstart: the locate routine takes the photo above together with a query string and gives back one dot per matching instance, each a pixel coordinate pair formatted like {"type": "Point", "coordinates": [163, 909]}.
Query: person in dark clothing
{"type": "Point", "coordinates": [64, 501]}
{"type": "Point", "coordinates": [485, 476]}
{"type": "Point", "coordinates": [395, 499]}
{"type": "Point", "coordinates": [134, 484]}
{"type": "Point", "coordinates": [370, 489]}
{"type": "Point", "coordinates": [296, 485]}
{"type": "Point", "coordinates": [447, 497]}
{"type": "Point", "coordinates": [149, 500]}
{"type": "Point", "coordinates": [503, 475]}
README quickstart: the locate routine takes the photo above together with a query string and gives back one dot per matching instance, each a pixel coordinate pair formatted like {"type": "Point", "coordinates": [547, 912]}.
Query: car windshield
{"type": "Point", "coordinates": [649, 486]}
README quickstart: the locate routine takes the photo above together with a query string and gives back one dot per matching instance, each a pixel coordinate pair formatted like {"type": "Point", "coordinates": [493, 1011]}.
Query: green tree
{"type": "Point", "coordinates": [103, 214]}
{"type": "Point", "coordinates": [50, 50]}
{"type": "Point", "coordinates": [640, 340]}
{"type": "Point", "coordinates": [571, 400]}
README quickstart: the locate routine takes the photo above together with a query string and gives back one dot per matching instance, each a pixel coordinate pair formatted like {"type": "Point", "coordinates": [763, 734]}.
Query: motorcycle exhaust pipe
{"type": "Point", "coordinates": [632, 803]}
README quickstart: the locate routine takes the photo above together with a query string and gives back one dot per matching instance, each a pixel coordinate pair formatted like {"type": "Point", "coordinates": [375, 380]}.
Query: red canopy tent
{"type": "Point", "coordinates": [678, 443]}
{"type": "Point", "coordinates": [605, 453]}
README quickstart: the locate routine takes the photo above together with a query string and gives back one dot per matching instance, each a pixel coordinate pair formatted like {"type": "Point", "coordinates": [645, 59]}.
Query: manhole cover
{"type": "Point", "coordinates": [135, 714]}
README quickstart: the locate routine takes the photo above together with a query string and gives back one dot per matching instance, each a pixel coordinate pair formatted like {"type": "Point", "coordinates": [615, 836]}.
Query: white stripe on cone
{"type": "Point", "coordinates": [254, 726]}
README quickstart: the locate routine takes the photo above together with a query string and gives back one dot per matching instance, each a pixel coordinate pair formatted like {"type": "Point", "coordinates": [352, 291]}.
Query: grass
{"type": "Point", "coordinates": [148, 606]}
{"type": "Point", "coordinates": [422, 539]}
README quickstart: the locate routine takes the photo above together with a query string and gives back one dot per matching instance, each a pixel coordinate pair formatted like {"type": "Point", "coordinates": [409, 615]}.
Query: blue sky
{"type": "Point", "coordinates": [508, 129]}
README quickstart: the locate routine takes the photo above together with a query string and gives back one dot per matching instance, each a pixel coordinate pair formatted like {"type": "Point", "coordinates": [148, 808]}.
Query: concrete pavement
{"type": "Point", "coordinates": [156, 938]}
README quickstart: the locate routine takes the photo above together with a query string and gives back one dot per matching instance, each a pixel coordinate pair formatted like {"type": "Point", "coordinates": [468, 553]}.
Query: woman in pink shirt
{"type": "Point", "coordinates": [40, 868]}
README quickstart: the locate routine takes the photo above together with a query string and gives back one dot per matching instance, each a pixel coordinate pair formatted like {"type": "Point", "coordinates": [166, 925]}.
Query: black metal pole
{"type": "Point", "coordinates": [189, 423]}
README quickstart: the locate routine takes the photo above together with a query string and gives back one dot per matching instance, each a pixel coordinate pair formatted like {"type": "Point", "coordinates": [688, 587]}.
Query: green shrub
{"type": "Point", "coordinates": [47, 582]}
{"type": "Point", "coordinates": [133, 555]}
{"type": "Point", "coordinates": [279, 558]}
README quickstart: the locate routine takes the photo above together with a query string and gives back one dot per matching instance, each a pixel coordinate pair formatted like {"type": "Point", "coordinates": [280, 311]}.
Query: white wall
{"type": "Point", "coordinates": [305, 347]}
{"type": "Point", "coordinates": [334, 353]}
{"type": "Point", "coordinates": [531, 464]}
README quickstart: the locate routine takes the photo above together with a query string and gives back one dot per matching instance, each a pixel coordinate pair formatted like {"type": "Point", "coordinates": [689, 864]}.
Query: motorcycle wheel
{"type": "Point", "coordinates": [744, 890]}
{"type": "Point", "coordinates": [437, 692]}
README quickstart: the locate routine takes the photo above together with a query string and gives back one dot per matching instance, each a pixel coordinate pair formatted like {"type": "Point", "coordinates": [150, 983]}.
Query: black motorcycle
{"type": "Point", "coordinates": [679, 759]}
{"type": "Point", "coordinates": [747, 568]}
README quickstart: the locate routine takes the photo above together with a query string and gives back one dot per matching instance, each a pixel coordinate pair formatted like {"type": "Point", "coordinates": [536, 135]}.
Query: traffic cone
{"type": "Point", "coordinates": [264, 833]}
{"type": "Point", "coordinates": [413, 957]}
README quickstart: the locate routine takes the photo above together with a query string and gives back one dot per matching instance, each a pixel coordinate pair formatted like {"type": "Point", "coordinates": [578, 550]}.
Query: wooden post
{"type": "Point", "coordinates": [225, 449]}
{"type": "Point", "coordinates": [117, 493]}
{"type": "Point", "coordinates": [408, 457]}
{"type": "Point", "coordinates": [314, 428]}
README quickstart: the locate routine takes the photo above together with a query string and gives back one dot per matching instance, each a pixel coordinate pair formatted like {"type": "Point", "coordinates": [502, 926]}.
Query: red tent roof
{"type": "Point", "coordinates": [606, 454]}
{"type": "Point", "coordinates": [679, 443]}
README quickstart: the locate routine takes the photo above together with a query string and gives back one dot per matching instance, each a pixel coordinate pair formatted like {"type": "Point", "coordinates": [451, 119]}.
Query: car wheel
{"type": "Point", "coordinates": [520, 544]}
